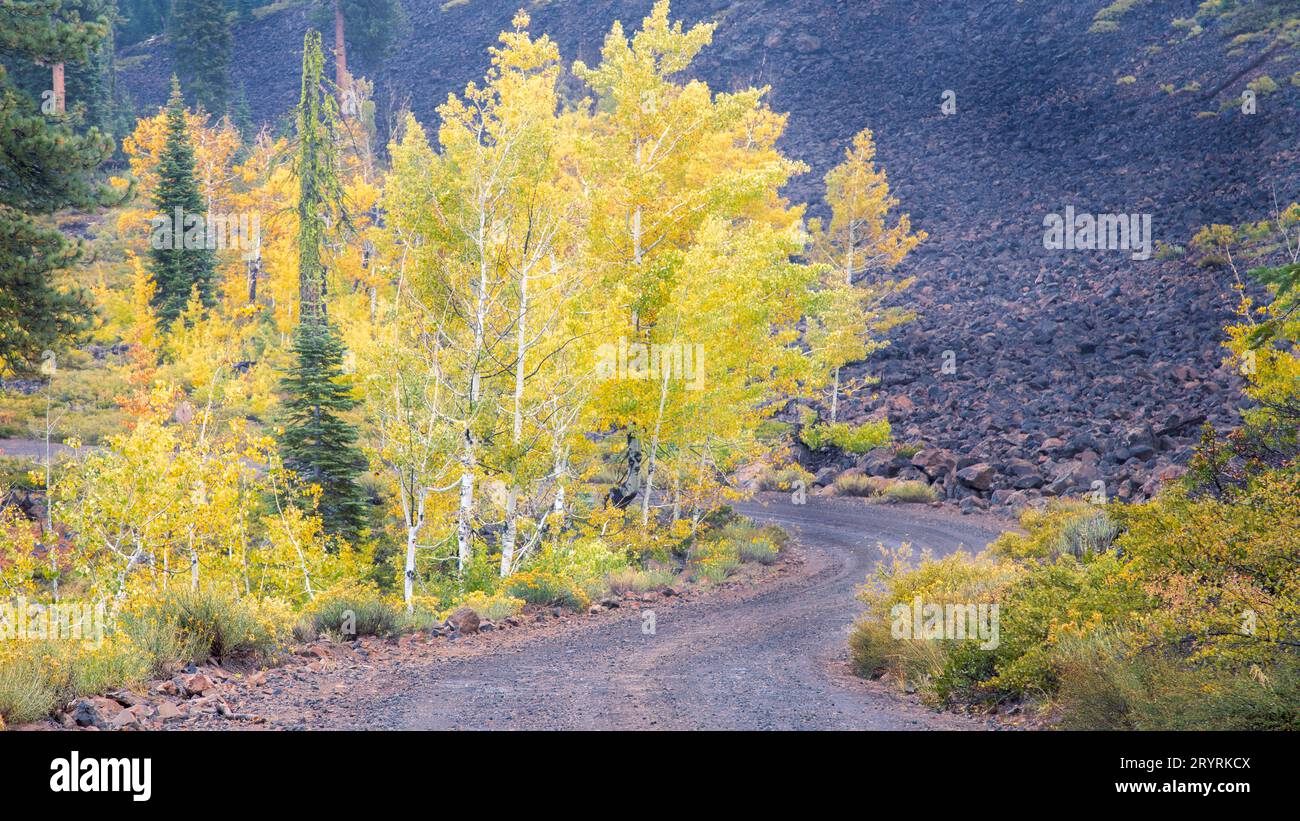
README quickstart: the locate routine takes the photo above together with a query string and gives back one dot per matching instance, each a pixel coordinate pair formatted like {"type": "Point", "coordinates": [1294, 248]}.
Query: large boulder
{"type": "Point", "coordinates": [978, 476]}
{"type": "Point", "coordinates": [882, 462]}
{"type": "Point", "coordinates": [934, 462]}
{"type": "Point", "coordinates": [464, 620]}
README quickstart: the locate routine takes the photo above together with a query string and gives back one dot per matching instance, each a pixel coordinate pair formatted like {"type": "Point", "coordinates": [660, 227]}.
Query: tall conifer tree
{"type": "Point", "coordinates": [201, 41]}
{"type": "Point", "coordinates": [44, 167]}
{"type": "Point", "coordinates": [318, 444]}
{"type": "Point", "coordinates": [180, 261]}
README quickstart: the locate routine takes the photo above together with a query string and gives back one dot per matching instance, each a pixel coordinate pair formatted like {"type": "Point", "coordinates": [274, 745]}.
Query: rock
{"type": "Point", "coordinates": [934, 462]}
{"type": "Point", "coordinates": [1052, 445]}
{"type": "Point", "coordinates": [1141, 452]}
{"type": "Point", "coordinates": [1017, 500]}
{"type": "Point", "coordinates": [978, 476]}
{"type": "Point", "coordinates": [910, 473]}
{"type": "Point", "coordinates": [465, 620]}
{"type": "Point", "coordinates": [1028, 482]}
{"type": "Point", "coordinates": [196, 684]}
{"type": "Point", "coordinates": [123, 719]}
{"type": "Point", "coordinates": [85, 714]}
{"type": "Point", "coordinates": [1021, 467]}
{"type": "Point", "coordinates": [1073, 476]}
{"type": "Point", "coordinates": [124, 697]}
{"type": "Point", "coordinates": [825, 476]}
{"type": "Point", "coordinates": [169, 712]}
{"type": "Point", "coordinates": [168, 688]}
{"type": "Point", "coordinates": [806, 43]}
{"type": "Point", "coordinates": [972, 504]}
{"type": "Point", "coordinates": [881, 462]}
{"type": "Point", "coordinates": [1170, 473]}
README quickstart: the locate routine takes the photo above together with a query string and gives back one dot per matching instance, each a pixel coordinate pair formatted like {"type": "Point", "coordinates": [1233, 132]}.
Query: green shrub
{"type": "Point", "coordinates": [909, 449]}
{"type": "Point", "coordinates": [581, 560]}
{"type": "Point", "coordinates": [547, 589]}
{"type": "Point", "coordinates": [491, 607]}
{"type": "Point", "coordinates": [760, 549]}
{"type": "Point", "coordinates": [158, 640]}
{"type": "Point", "coordinates": [27, 692]}
{"type": "Point", "coordinates": [857, 484]}
{"type": "Point", "coordinates": [1091, 531]}
{"type": "Point", "coordinates": [1050, 602]}
{"type": "Point", "coordinates": [773, 431]}
{"type": "Point", "coordinates": [1063, 528]}
{"type": "Point", "coordinates": [1263, 85]}
{"type": "Point", "coordinates": [110, 666]}
{"type": "Point", "coordinates": [213, 622]}
{"type": "Point", "coordinates": [784, 479]}
{"type": "Point", "coordinates": [1109, 682]}
{"type": "Point", "coordinates": [1106, 21]}
{"type": "Point", "coordinates": [902, 580]}
{"type": "Point", "coordinates": [714, 560]}
{"type": "Point", "coordinates": [870, 646]}
{"type": "Point", "coordinates": [746, 542]}
{"type": "Point", "coordinates": [911, 491]}
{"type": "Point", "coordinates": [37, 677]}
{"type": "Point", "coordinates": [632, 580]}
{"type": "Point", "coordinates": [350, 611]}
{"type": "Point", "coordinates": [846, 437]}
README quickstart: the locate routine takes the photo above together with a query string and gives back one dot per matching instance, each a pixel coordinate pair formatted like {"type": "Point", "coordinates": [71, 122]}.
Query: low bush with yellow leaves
{"type": "Point", "coordinates": [542, 588]}
{"type": "Point", "coordinates": [1128, 616]}
{"type": "Point", "coordinates": [491, 607]}
{"type": "Point", "coordinates": [37, 677]}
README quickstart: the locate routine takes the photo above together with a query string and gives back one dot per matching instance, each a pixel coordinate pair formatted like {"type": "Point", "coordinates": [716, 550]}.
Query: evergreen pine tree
{"type": "Point", "coordinates": [180, 261]}
{"type": "Point", "coordinates": [201, 42]}
{"type": "Point", "coordinates": [317, 443]}
{"type": "Point", "coordinates": [44, 167]}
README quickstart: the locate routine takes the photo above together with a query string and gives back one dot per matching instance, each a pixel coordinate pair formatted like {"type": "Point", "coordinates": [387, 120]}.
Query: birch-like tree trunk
{"type": "Point", "coordinates": [654, 445]}
{"type": "Point", "coordinates": [516, 429]}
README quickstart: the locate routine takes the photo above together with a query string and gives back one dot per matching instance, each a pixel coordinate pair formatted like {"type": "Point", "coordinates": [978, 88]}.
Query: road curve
{"type": "Point", "coordinates": [772, 660]}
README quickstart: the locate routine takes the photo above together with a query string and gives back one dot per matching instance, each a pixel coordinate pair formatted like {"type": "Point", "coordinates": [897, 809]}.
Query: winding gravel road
{"type": "Point", "coordinates": [769, 659]}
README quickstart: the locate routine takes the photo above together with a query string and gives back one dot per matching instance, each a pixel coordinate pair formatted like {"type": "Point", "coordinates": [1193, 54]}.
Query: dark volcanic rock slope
{"type": "Point", "coordinates": [1071, 366]}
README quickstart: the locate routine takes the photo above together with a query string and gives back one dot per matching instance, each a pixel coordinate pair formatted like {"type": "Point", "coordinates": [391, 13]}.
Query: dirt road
{"type": "Point", "coordinates": [771, 659]}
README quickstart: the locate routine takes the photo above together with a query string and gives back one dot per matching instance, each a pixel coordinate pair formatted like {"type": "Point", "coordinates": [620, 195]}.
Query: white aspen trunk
{"type": "Point", "coordinates": [631, 484]}
{"type": "Point", "coordinates": [469, 455]}
{"type": "Point", "coordinates": [654, 447]}
{"type": "Point", "coordinates": [516, 430]}
{"type": "Point", "coordinates": [464, 524]}
{"type": "Point", "coordinates": [835, 395]}
{"type": "Point", "coordinates": [561, 472]}
{"type": "Point", "coordinates": [512, 532]}
{"type": "Point", "coordinates": [848, 280]}
{"type": "Point", "coordinates": [413, 525]}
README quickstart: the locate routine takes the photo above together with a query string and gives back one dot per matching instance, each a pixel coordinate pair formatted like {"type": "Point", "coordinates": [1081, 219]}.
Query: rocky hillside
{"type": "Point", "coordinates": [1070, 366]}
